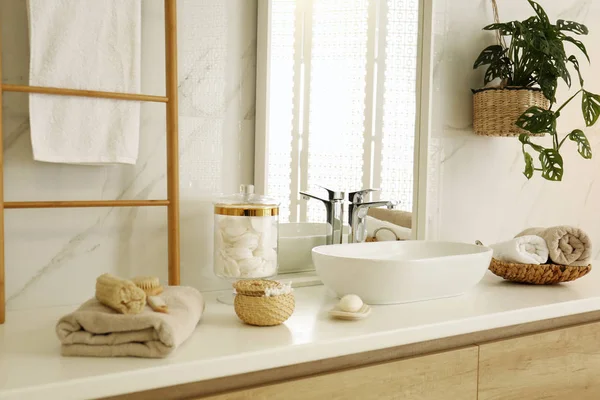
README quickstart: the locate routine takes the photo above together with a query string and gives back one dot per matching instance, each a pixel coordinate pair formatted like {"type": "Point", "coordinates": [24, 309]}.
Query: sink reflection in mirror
{"type": "Point", "coordinates": [296, 241]}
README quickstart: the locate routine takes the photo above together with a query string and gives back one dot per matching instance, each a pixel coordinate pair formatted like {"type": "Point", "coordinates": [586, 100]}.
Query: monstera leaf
{"type": "Point", "coordinates": [571, 26]}
{"type": "Point", "coordinates": [501, 68]}
{"type": "Point", "coordinates": [489, 55]}
{"type": "Point", "coordinates": [549, 83]}
{"type": "Point", "coordinates": [506, 28]}
{"type": "Point", "coordinates": [552, 165]}
{"type": "Point", "coordinates": [583, 145]}
{"type": "Point", "coordinates": [573, 60]}
{"type": "Point", "coordinates": [540, 12]}
{"type": "Point", "coordinates": [590, 105]}
{"type": "Point", "coordinates": [577, 43]}
{"type": "Point", "coordinates": [528, 165]}
{"type": "Point", "coordinates": [537, 120]}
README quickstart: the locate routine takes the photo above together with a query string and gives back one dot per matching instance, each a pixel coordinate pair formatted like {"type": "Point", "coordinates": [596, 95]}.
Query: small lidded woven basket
{"type": "Point", "coordinates": [496, 110]}
{"type": "Point", "coordinates": [263, 302]}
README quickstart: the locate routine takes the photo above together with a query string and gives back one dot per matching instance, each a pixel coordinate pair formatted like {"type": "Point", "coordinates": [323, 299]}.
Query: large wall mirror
{"type": "Point", "coordinates": [341, 95]}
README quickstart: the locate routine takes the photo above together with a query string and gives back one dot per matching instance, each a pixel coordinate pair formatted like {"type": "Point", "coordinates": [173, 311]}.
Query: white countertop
{"type": "Point", "coordinates": [32, 368]}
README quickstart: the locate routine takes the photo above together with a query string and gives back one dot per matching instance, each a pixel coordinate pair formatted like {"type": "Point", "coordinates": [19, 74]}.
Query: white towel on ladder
{"type": "Point", "coordinates": [92, 45]}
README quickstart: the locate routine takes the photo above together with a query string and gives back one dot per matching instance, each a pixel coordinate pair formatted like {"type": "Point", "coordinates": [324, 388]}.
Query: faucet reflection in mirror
{"type": "Point", "coordinates": [357, 213]}
{"type": "Point", "coordinates": [334, 207]}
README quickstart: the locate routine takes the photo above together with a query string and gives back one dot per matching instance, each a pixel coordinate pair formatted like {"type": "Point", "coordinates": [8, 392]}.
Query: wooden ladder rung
{"type": "Point", "coordinates": [85, 203]}
{"type": "Point", "coordinates": [83, 93]}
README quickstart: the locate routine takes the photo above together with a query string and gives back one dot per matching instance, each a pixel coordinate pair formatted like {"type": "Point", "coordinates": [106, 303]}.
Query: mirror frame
{"type": "Point", "coordinates": [424, 80]}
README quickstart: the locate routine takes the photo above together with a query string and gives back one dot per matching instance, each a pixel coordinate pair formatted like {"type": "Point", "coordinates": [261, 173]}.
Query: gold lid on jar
{"type": "Point", "coordinates": [247, 210]}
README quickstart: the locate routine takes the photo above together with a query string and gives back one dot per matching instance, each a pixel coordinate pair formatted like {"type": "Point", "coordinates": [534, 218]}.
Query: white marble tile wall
{"type": "Point", "coordinates": [478, 189]}
{"type": "Point", "coordinates": [54, 256]}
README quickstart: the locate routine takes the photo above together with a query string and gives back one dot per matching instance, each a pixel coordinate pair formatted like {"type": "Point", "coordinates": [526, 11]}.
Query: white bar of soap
{"type": "Point", "coordinates": [350, 303]}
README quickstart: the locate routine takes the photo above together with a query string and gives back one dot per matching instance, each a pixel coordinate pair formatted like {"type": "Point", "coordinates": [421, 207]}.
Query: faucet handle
{"type": "Point", "coordinates": [358, 196]}
{"type": "Point", "coordinates": [333, 194]}
{"type": "Point", "coordinates": [392, 204]}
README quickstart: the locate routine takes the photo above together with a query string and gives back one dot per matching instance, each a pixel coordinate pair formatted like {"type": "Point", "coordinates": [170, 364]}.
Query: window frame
{"type": "Point", "coordinates": [422, 115]}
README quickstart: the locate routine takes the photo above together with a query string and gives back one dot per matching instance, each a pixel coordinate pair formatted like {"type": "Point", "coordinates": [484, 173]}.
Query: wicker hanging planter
{"type": "Point", "coordinates": [495, 110]}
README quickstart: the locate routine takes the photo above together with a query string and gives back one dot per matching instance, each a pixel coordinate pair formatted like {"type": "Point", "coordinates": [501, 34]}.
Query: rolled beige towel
{"type": "Point", "coordinates": [567, 245]}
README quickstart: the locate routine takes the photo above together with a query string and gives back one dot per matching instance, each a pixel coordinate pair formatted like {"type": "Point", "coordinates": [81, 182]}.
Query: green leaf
{"type": "Point", "coordinates": [548, 81]}
{"type": "Point", "coordinates": [577, 43]}
{"type": "Point", "coordinates": [540, 12]}
{"type": "Point", "coordinates": [537, 120]}
{"type": "Point", "coordinates": [566, 76]}
{"type": "Point", "coordinates": [573, 60]}
{"type": "Point", "coordinates": [524, 138]}
{"type": "Point", "coordinates": [549, 88]}
{"type": "Point", "coordinates": [552, 165]}
{"type": "Point", "coordinates": [583, 145]}
{"type": "Point", "coordinates": [505, 28]}
{"type": "Point", "coordinates": [528, 165]}
{"type": "Point", "coordinates": [590, 105]}
{"type": "Point", "coordinates": [501, 68]}
{"type": "Point", "coordinates": [532, 23]}
{"type": "Point", "coordinates": [488, 55]}
{"type": "Point", "coordinates": [572, 26]}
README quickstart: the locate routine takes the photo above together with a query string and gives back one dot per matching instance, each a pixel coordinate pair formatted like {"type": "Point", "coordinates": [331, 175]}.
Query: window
{"type": "Point", "coordinates": [341, 100]}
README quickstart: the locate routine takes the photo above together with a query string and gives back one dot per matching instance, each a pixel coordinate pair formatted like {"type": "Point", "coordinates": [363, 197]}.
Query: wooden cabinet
{"type": "Point", "coordinates": [561, 364]}
{"type": "Point", "coordinates": [442, 376]}
{"type": "Point", "coordinates": [553, 365]}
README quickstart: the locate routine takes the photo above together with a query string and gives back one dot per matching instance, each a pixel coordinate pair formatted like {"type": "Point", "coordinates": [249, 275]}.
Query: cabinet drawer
{"type": "Point", "coordinates": [561, 364]}
{"type": "Point", "coordinates": [443, 376]}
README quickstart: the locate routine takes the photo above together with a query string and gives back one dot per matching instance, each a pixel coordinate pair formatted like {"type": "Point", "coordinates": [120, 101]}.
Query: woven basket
{"type": "Point", "coordinates": [544, 274]}
{"type": "Point", "coordinates": [254, 308]}
{"type": "Point", "coordinates": [495, 111]}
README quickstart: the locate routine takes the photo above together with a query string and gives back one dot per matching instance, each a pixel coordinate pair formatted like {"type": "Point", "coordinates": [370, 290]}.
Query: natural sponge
{"type": "Point", "coordinates": [119, 294]}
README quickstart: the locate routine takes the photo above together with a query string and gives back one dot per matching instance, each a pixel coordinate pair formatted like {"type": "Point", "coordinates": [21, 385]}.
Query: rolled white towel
{"type": "Point", "coordinates": [528, 249]}
{"type": "Point", "coordinates": [385, 231]}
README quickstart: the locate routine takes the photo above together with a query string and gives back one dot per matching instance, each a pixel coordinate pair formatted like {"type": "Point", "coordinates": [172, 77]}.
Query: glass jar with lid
{"type": "Point", "coordinates": [246, 235]}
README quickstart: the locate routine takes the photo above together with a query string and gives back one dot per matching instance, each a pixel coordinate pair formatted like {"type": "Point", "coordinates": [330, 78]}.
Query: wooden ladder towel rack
{"type": "Point", "coordinates": [172, 201]}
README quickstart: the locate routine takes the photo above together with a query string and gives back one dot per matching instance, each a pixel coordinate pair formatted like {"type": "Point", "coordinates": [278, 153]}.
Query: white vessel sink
{"type": "Point", "coordinates": [296, 241]}
{"type": "Point", "coordinates": [401, 272]}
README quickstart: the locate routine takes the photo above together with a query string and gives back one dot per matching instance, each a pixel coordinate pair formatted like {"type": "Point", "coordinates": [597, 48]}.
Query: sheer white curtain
{"type": "Point", "coordinates": [341, 100]}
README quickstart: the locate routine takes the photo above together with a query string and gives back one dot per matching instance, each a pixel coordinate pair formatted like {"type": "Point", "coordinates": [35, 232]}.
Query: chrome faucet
{"type": "Point", "coordinates": [357, 213]}
{"type": "Point", "coordinates": [334, 206]}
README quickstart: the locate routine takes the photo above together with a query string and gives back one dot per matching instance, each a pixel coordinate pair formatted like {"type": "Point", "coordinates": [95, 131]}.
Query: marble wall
{"type": "Point", "coordinates": [54, 256]}
{"type": "Point", "coordinates": [476, 184]}
{"type": "Point", "coordinates": [477, 190]}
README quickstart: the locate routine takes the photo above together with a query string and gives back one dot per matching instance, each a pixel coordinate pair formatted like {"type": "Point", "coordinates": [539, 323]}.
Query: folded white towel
{"type": "Point", "coordinates": [93, 45]}
{"type": "Point", "coordinates": [386, 231]}
{"type": "Point", "coordinates": [528, 249]}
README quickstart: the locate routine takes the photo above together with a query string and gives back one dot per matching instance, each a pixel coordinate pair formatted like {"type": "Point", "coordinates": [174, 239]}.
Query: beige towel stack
{"type": "Point", "coordinates": [567, 245]}
{"type": "Point", "coordinates": [95, 330]}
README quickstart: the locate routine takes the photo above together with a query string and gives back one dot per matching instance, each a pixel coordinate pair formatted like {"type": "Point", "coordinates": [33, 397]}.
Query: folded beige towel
{"type": "Point", "coordinates": [94, 330]}
{"type": "Point", "coordinates": [567, 245]}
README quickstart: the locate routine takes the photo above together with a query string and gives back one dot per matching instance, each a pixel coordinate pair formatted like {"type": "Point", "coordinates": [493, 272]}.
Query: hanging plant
{"type": "Point", "coordinates": [536, 58]}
